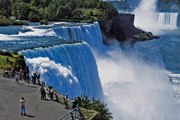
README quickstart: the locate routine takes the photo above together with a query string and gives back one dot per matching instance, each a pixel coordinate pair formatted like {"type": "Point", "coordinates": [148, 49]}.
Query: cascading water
{"type": "Point", "coordinates": [134, 88]}
{"type": "Point", "coordinates": [168, 19]}
{"type": "Point", "coordinates": [148, 18]}
{"type": "Point", "coordinates": [70, 68]}
{"type": "Point", "coordinates": [88, 32]}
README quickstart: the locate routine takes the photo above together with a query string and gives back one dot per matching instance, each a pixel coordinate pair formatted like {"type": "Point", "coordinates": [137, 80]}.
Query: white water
{"type": "Point", "coordinates": [134, 89]}
{"type": "Point", "coordinates": [144, 15]}
{"type": "Point", "coordinates": [69, 68]}
{"type": "Point", "coordinates": [148, 19]}
{"type": "Point", "coordinates": [168, 20]}
{"type": "Point", "coordinates": [90, 33]}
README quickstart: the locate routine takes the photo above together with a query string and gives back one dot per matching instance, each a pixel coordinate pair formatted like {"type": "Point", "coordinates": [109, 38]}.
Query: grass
{"type": "Point", "coordinates": [144, 36]}
{"type": "Point", "coordinates": [89, 114]}
{"type": "Point", "coordinates": [8, 60]}
{"type": "Point", "coordinates": [95, 13]}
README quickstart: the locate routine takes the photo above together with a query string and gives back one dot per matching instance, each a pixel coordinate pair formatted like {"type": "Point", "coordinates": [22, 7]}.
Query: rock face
{"type": "Point", "coordinates": [120, 27]}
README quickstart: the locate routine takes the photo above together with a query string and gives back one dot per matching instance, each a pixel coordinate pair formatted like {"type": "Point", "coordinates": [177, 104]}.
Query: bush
{"type": "Point", "coordinates": [91, 13]}
{"type": "Point", "coordinates": [20, 61]}
{"type": "Point", "coordinates": [5, 21]}
{"type": "Point", "coordinates": [33, 17]}
{"type": "Point", "coordinates": [44, 22]}
{"type": "Point", "coordinates": [97, 105]}
{"type": "Point", "coordinates": [21, 22]}
{"type": "Point", "coordinates": [5, 53]}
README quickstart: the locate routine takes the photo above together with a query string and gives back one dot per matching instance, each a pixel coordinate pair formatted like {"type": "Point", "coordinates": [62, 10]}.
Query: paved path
{"type": "Point", "coordinates": [10, 94]}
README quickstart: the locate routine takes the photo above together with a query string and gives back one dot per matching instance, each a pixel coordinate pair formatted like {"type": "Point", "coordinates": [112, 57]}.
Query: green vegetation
{"type": "Point", "coordinates": [144, 36]}
{"type": "Point", "coordinates": [9, 60]}
{"type": "Point", "coordinates": [44, 22]}
{"type": "Point", "coordinates": [88, 113]}
{"type": "Point", "coordinates": [6, 21]}
{"type": "Point", "coordinates": [91, 109]}
{"type": "Point", "coordinates": [54, 10]}
{"type": "Point", "coordinates": [95, 105]}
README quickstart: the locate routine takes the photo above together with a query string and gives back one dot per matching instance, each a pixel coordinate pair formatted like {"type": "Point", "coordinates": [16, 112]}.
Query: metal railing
{"type": "Point", "coordinates": [74, 114]}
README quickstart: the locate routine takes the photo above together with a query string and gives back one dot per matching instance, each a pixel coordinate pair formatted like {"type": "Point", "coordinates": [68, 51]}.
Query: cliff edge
{"type": "Point", "coordinates": [121, 27]}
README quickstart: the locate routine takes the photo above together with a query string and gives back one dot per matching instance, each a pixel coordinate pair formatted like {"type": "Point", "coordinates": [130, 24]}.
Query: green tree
{"type": "Point", "coordinates": [51, 11]}
{"type": "Point", "coordinates": [20, 10]}
{"type": "Point", "coordinates": [97, 105]}
{"type": "Point", "coordinates": [33, 17]}
{"type": "Point", "coordinates": [60, 13]}
{"type": "Point", "coordinates": [5, 7]}
{"type": "Point", "coordinates": [41, 13]}
{"type": "Point", "coordinates": [77, 14]}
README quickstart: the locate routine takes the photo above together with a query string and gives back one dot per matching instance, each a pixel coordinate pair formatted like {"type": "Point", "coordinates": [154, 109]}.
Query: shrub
{"type": "Point", "coordinates": [33, 17]}
{"type": "Point", "coordinates": [44, 22]}
{"type": "Point", "coordinates": [5, 53]}
{"type": "Point", "coordinates": [4, 21]}
{"type": "Point", "coordinates": [97, 105]}
{"type": "Point", "coordinates": [91, 13]}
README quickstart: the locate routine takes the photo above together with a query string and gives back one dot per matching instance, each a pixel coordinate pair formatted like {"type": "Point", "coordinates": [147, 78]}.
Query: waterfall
{"type": "Point", "coordinates": [90, 33]}
{"type": "Point", "coordinates": [168, 19]}
{"type": "Point", "coordinates": [69, 68]}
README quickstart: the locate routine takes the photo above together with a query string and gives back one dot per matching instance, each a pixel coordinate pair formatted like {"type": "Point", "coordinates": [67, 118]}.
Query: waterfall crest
{"type": "Point", "coordinates": [90, 33]}
{"type": "Point", "coordinates": [168, 19]}
{"type": "Point", "coordinates": [70, 68]}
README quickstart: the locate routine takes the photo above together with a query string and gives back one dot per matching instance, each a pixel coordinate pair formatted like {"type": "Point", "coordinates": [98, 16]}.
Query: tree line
{"type": "Point", "coordinates": [54, 10]}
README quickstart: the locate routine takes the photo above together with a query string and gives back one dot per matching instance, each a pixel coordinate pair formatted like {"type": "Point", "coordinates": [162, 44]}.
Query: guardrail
{"type": "Point", "coordinates": [74, 114]}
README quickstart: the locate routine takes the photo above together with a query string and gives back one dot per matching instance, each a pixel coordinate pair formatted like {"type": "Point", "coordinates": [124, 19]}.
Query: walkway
{"type": "Point", "coordinates": [10, 94]}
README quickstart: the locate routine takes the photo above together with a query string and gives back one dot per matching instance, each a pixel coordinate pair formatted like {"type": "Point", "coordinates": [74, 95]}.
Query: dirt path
{"type": "Point", "coordinates": [10, 94]}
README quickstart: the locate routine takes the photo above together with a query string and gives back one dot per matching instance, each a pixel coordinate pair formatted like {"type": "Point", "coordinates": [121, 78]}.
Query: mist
{"type": "Point", "coordinates": [145, 17]}
{"type": "Point", "coordinates": [43, 64]}
{"type": "Point", "coordinates": [135, 89]}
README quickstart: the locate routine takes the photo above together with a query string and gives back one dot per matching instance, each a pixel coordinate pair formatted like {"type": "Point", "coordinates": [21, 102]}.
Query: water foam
{"type": "Point", "coordinates": [71, 68]}
{"type": "Point", "coordinates": [134, 89]}
{"type": "Point", "coordinates": [148, 18]}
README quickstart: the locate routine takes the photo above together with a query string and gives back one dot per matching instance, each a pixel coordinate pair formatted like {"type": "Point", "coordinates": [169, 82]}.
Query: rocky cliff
{"type": "Point", "coordinates": [120, 27]}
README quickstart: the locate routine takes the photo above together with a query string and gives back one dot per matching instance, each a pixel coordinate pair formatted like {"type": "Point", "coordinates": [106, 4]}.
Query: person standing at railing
{"type": "Point", "coordinates": [75, 104]}
{"type": "Point", "coordinates": [66, 99]}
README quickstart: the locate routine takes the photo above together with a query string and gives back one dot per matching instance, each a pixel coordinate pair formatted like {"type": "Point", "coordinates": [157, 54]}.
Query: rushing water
{"type": "Point", "coordinates": [69, 68]}
{"type": "Point", "coordinates": [140, 83]}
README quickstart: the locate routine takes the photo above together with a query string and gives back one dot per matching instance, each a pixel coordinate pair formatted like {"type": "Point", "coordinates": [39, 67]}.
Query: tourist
{"type": "Point", "coordinates": [38, 78]}
{"type": "Point", "coordinates": [17, 78]}
{"type": "Point", "coordinates": [75, 103]}
{"type": "Point", "coordinates": [43, 93]}
{"type": "Point", "coordinates": [22, 106]}
{"type": "Point", "coordinates": [27, 78]}
{"type": "Point", "coordinates": [66, 99]}
{"type": "Point", "coordinates": [20, 74]}
{"type": "Point", "coordinates": [51, 93]}
{"type": "Point", "coordinates": [56, 98]}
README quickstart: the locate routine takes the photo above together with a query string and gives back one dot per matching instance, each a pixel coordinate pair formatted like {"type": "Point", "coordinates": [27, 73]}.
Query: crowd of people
{"type": "Point", "coordinates": [46, 93]}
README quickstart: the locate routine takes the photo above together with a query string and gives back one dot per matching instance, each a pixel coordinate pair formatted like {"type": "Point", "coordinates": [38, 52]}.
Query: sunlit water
{"type": "Point", "coordinates": [140, 83]}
